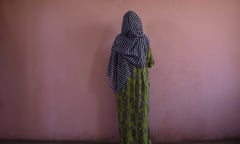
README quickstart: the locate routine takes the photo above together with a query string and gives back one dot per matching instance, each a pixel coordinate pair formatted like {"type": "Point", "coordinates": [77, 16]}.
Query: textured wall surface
{"type": "Point", "coordinates": [54, 54]}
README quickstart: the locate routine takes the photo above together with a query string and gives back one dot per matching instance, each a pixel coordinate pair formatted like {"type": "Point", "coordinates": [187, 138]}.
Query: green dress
{"type": "Point", "coordinates": [133, 106]}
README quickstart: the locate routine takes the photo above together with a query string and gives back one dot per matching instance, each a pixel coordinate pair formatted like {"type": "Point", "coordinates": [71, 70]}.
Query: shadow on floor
{"type": "Point", "coordinates": [78, 142]}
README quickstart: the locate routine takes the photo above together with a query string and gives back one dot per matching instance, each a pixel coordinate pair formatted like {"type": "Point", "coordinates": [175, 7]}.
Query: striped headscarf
{"type": "Point", "coordinates": [129, 51]}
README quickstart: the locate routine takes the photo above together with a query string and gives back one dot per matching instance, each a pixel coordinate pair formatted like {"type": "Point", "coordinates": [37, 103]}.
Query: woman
{"type": "Point", "coordinates": [128, 71]}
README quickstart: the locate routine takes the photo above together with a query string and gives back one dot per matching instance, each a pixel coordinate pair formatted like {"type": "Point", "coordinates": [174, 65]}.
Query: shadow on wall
{"type": "Point", "coordinates": [16, 100]}
{"type": "Point", "coordinates": [13, 81]}
{"type": "Point", "coordinates": [99, 85]}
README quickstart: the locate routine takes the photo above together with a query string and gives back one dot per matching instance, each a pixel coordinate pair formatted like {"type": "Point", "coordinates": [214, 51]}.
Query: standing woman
{"type": "Point", "coordinates": [128, 71]}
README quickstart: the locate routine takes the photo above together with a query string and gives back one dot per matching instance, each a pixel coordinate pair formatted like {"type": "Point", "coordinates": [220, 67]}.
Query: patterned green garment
{"type": "Point", "coordinates": [133, 106]}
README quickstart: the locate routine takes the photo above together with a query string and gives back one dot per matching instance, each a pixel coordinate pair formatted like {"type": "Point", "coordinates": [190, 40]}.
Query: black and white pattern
{"type": "Point", "coordinates": [129, 51]}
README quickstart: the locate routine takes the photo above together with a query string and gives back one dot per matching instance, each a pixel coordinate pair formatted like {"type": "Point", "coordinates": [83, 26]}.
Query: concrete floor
{"type": "Point", "coordinates": [70, 142]}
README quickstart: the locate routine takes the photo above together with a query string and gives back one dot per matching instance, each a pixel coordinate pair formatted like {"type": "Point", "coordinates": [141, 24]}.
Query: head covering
{"type": "Point", "coordinates": [129, 51]}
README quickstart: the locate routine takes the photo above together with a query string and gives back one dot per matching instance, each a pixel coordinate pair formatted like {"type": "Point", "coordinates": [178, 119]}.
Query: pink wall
{"type": "Point", "coordinates": [54, 53]}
